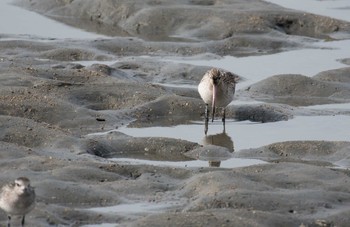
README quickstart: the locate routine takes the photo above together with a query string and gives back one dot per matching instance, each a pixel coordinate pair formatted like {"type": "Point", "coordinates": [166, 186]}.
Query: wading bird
{"type": "Point", "coordinates": [217, 89]}
{"type": "Point", "coordinates": [17, 198]}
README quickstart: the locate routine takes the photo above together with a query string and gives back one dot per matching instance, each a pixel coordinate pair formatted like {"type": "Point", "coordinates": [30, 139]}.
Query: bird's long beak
{"type": "Point", "coordinates": [213, 103]}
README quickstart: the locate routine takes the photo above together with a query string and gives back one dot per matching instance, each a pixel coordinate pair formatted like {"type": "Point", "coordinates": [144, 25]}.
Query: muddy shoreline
{"type": "Point", "coordinates": [59, 118]}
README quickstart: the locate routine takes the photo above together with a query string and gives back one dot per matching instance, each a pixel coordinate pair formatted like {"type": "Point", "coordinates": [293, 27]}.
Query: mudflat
{"type": "Point", "coordinates": [59, 117]}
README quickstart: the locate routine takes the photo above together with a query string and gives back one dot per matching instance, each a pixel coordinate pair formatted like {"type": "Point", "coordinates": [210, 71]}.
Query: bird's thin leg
{"type": "Point", "coordinates": [213, 114]}
{"type": "Point", "coordinates": [206, 113]}
{"type": "Point", "coordinates": [206, 128]}
{"type": "Point", "coordinates": [23, 219]}
{"type": "Point", "coordinates": [8, 221]}
{"type": "Point", "coordinates": [206, 119]}
{"type": "Point", "coordinates": [223, 118]}
{"type": "Point", "coordinates": [223, 115]}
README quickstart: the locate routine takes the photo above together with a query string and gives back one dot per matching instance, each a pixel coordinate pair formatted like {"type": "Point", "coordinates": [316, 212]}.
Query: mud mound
{"type": "Point", "coordinates": [299, 90]}
{"type": "Point", "coordinates": [73, 54]}
{"type": "Point", "coordinates": [256, 193]}
{"type": "Point", "coordinates": [209, 20]}
{"type": "Point", "coordinates": [117, 145]}
{"type": "Point", "coordinates": [24, 132]}
{"type": "Point", "coordinates": [321, 151]}
{"type": "Point", "coordinates": [341, 75]}
{"type": "Point", "coordinates": [260, 113]}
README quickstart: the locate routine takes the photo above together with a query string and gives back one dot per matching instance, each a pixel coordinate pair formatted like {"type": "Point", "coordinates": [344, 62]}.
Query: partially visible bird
{"type": "Point", "coordinates": [217, 88]}
{"type": "Point", "coordinates": [17, 198]}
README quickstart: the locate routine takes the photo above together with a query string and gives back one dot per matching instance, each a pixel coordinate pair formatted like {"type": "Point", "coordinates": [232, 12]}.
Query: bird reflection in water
{"type": "Point", "coordinates": [218, 155]}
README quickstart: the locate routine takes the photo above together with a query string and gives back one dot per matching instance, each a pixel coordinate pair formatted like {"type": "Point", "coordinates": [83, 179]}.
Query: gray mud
{"type": "Point", "coordinates": [58, 117]}
{"type": "Point", "coordinates": [297, 90]}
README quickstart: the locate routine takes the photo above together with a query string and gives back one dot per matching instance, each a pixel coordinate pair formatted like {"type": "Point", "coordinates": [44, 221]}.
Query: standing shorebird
{"type": "Point", "coordinates": [17, 198]}
{"type": "Point", "coordinates": [217, 88]}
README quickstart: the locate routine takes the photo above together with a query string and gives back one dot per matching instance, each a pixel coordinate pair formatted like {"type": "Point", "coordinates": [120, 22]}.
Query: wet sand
{"type": "Point", "coordinates": [109, 130]}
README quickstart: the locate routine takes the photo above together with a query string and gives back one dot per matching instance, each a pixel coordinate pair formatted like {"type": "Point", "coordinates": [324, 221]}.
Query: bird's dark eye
{"type": "Point", "coordinates": [17, 184]}
{"type": "Point", "coordinates": [216, 80]}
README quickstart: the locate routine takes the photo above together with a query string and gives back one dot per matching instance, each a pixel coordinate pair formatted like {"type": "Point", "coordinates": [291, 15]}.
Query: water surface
{"type": "Point", "coordinates": [229, 163]}
{"type": "Point", "coordinates": [246, 134]}
{"type": "Point", "coordinates": [17, 21]}
{"type": "Point", "coordinates": [307, 62]}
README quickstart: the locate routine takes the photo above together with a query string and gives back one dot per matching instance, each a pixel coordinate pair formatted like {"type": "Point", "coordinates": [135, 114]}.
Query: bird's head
{"type": "Point", "coordinates": [22, 185]}
{"type": "Point", "coordinates": [215, 76]}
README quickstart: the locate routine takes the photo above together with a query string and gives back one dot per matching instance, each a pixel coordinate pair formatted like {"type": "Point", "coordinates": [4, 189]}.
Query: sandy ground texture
{"type": "Point", "coordinates": [55, 113]}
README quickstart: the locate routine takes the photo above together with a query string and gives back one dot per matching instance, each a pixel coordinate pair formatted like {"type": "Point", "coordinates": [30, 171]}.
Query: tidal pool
{"type": "Point", "coordinates": [17, 21]}
{"type": "Point", "coordinates": [229, 163]}
{"type": "Point", "coordinates": [246, 134]}
{"type": "Point", "coordinates": [308, 62]}
{"type": "Point", "coordinates": [135, 208]}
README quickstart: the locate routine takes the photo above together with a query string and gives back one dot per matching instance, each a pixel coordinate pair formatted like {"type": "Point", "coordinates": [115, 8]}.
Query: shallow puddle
{"type": "Point", "coordinates": [31, 24]}
{"type": "Point", "coordinates": [336, 106]}
{"type": "Point", "coordinates": [101, 225]}
{"type": "Point", "coordinates": [229, 163]}
{"type": "Point", "coordinates": [240, 135]}
{"type": "Point", "coordinates": [307, 62]}
{"type": "Point", "coordinates": [132, 209]}
{"type": "Point", "coordinates": [135, 208]}
{"type": "Point", "coordinates": [246, 134]}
